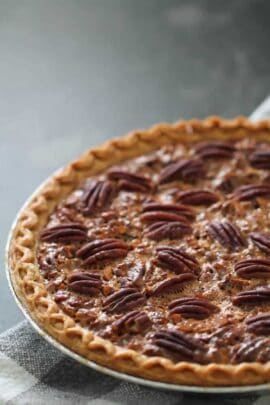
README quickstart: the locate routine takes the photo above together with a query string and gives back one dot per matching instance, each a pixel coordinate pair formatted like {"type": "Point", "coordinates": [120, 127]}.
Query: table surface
{"type": "Point", "coordinates": [74, 73]}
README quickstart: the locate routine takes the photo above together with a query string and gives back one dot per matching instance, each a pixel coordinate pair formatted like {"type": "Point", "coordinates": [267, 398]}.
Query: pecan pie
{"type": "Point", "coordinates": [151, 254]}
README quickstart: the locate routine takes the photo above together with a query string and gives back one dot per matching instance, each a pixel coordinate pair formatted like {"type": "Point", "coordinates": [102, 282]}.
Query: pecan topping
{"type": "Point", "coordinates": [183, 169]}
{"type": "Point", "coordinates": [63, 233]}
{"type": "Point", "coordinates": [259, 324]}
{"type": "Point", "coordinates": [257, 349]}
{"type": "Point", "coordinates": [154, 212]}
{"type": "Point", "coordinates": [167, 230]}
{"type": "Point", "coordinates": [172, 283]}
{"type": "Point", "coordinates": [126, 298]}
{"type": "Point", "coordinates": [197, 197]}
{"type": "Point", "coordinates": [96, 195]}
{"type": "Point", "coordinates": [253, 268]}
{"type": "Point", "coordinates": [189, 307]}
{"type": "Point", "coordinates": [214, 149]}
{"type": "Point", "coordinates": [260, 160]}
{"type": "Point", "coordinates": [262, 241]}
{"type": "Point", "coordinates": [177, 260]}
{"type": "Point", "coordinates": [131, 181]}
{"type": "Point", "coordinates": [100, 250]}
{"type": "Point", "coordinates": [257, 296]}
{"type": "Point", "coordinates": [227, 234]}
{"type": "Point", "coordinates": [250, 191]}
{"type": "Point", "coordinates": [183, 346]}
{"type": "Point", "coordinates": [133, 322]}
{"type": "Point", "coordinates": [85, 283]}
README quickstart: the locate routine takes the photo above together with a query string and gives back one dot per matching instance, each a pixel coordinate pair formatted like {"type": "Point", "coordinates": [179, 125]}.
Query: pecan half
{"type": "Point", "coordinates": [259, 324]}
{"type": "Point", "coordinates": [183, 169]}
{"type": "Point", "coordinates": [167, 230]}
{"type": "Point", "coordinates": [171, 284]}
{"type": "Point", "coordinates": [227, 234]}
{"type": "Point", "coordinates": [189, 307]}
{"type": "Point", "coordinates": [100, 250]}
{"type": "Point", "coordinates": [179, 210]}
{"type": "Point", "coordinates": [130, 181]}
{"type": "Point", "coordinates": [133, 322]}
{"type": "Point", "coordinates": [64, 233]}
{"type": "Point", "coordinates": [257, 349]}
{"type": "Point", "coordinates": [126, 298]}
{"type": "Point", "coordinates": [260, 160]}
{"type": "Point", "coordinates": [256, 296]}
{"type": "Point", "coordinates": [179, 344]}
{"type": "Point", "coordinates": [84, 283]}
{"type": "Point", "coordinates": [262, 241]}
{"type": "Point", "coordinates": [225, 335]}
{"type": "Point", "coordinates": [253, 268]}
{"type": "Point", "coordinates": [157, 216]}
{"type": "Point", "coordinates": [96, 195]}
{"type": "Point", "coordinates": [214, 149]}
{"type": "Point", "coordinates": [251, 191]}
{"type": "Point", "coordinates": [197, 197]}
{"type": "Point", "coordinates": [177, 260]}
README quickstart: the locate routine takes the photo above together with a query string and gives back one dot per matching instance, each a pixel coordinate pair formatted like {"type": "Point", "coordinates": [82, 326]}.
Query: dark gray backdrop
{"type": "Point", "coordinates": [74, 73]}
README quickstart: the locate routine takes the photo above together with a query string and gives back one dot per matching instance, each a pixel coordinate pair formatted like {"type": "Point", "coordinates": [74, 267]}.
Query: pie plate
{"type": "Point", "coordinates": [196, 389]}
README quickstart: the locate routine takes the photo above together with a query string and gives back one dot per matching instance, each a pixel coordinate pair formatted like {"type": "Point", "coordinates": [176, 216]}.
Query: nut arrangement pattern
{"type": "Point", "coordinates": [184, 357]}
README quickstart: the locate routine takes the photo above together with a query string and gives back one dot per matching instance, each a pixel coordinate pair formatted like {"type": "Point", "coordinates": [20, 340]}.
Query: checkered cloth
{"type": "Point", "coordinates": [34, 372]}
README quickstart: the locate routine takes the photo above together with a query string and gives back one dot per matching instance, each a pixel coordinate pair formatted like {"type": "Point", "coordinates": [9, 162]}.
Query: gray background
{"type": "Point", "coordinates": [74, 73]}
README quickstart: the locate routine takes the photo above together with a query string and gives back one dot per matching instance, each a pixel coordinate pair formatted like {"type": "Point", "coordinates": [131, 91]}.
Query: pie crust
{"type": "Point", "coordinates": [30, 287]}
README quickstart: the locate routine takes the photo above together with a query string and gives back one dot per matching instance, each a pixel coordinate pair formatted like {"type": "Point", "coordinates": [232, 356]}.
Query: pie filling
{"type": "Point", "coordinates": [168, 254]}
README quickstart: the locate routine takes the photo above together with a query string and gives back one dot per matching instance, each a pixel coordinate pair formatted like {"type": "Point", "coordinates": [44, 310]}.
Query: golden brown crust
{"type": "Point", "coordinates": [29, 285]}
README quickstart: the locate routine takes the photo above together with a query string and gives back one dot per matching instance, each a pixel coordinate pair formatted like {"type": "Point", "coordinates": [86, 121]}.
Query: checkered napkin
{"type": "Point", "coordinates": [34, 372]}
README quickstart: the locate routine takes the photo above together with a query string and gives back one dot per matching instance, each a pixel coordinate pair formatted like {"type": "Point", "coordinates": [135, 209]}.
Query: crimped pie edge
{"type": "Point", "coordinates": [31, 291]}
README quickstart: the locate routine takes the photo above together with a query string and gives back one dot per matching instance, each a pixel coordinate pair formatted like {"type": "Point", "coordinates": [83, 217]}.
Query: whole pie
{"type": "Point", "coordinates": [151, 254]}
